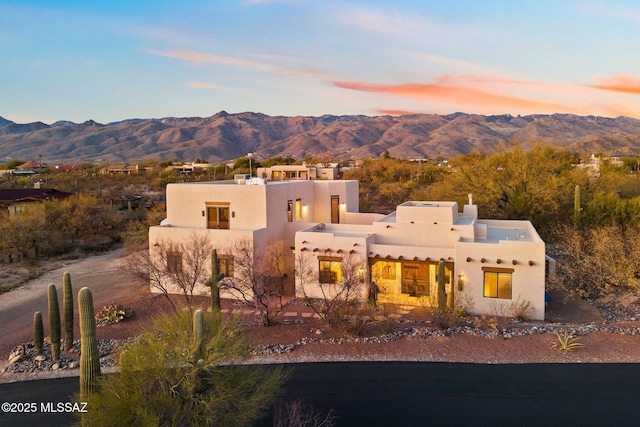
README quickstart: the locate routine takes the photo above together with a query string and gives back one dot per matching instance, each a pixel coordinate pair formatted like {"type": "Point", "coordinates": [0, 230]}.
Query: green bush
{"type": "Point", "coordinates": [159, 383]}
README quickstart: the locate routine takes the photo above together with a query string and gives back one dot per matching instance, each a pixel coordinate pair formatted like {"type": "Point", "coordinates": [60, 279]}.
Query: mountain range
{"type": "Point", "coordinates": [225, 136]}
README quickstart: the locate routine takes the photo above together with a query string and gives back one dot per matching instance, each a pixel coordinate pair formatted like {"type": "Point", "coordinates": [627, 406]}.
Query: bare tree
{"type": "Point", "coordinates": [340, 304]}
{"type": "Point", "coordinates": [258, 279]}
{"type": "Point", "coordinates": [173, 267]}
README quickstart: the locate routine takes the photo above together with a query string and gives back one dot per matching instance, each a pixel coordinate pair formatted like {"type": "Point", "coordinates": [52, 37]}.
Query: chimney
{"type": "Point", "coordinates": [470, 198]}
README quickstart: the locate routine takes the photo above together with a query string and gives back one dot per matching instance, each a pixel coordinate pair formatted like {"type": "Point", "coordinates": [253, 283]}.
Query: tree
{"type": "Point", "coordinates": [513, 183]}
{"type": "Point", "coordinates": [25, 234]}
{"type": "Point", "coordinates": [338, 304]}
{"type": "Point", "coordinates": [160, 383]}
{"type": "Point", "coordinates": [257, 279]}
{"type": "Point", "coordinates": [173, 267]}
{"type": "Point", "coordinates": [595, 261]}
{"type": "Point", "coordinates": [82, 220]}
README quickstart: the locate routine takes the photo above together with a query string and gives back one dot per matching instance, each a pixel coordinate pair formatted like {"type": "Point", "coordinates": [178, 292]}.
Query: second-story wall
{"type": "Point", "coordinates": [187, 204]}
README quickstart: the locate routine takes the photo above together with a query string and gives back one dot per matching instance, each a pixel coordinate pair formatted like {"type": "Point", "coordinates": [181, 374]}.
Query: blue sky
{"type": "Point", "coordinates": [77, 60]}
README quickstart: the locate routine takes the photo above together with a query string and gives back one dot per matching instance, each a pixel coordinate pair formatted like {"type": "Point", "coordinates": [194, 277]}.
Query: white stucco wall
{"type": "Point", "coordinates": [528, 281]}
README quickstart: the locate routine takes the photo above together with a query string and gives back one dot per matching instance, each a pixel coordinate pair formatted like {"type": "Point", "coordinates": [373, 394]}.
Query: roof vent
{"type": "Point", "coordinates": [321, 226]}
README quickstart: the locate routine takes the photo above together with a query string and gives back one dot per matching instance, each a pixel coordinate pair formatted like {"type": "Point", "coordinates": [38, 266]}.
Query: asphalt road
{"type": "Point", "coordinates": [421, 394]}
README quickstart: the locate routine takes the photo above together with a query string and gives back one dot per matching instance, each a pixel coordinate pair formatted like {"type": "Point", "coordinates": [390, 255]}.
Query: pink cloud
{"type": "Point", "coordinates": [454, 91]}
{"type": "Point", "coordinates": [619, 83]}
{"type": "Point", "coordinates": [202, 57]}
{"type": "Point", "coordinates": [200, 85]}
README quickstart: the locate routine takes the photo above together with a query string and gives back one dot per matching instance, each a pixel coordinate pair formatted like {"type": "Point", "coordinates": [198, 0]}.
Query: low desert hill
{"type": "Point", "coordinates": [226, 136]}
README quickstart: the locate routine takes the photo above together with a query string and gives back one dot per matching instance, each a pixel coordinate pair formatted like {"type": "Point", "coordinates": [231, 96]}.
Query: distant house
{"type": "Point", "coordinates": [490, 265]}
{"type": "Point", "coordinates": [593, 164]}
{"type": "Point", "coordinates": [67, 168]}
{"type": "Point", "coordinates": [298, 172]}
{"type": "Point", "coordinates": [186, 168]}
{"type": "Point", "coordinates": [31, 165]}
{"type": "Point", "coordinates": [16, 200]}
{"type": "Point", "coordinates": [123, 169]}
{"type": "Point", "coordinates": [123, 202]}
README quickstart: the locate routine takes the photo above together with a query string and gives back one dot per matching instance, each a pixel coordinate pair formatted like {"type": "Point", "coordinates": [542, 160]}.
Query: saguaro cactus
{"type": "Point", "coordinates": [213, 282]}
{"type": "Point", "coordinates": [54, 321]}
{"type": "Point", "coordinates": [576, 206]}
{"type": "Point", "coordinates": [199, 348]}
{"type": "Point", "coordinates": [38, 331]}
{"type": "Point", "coordinates": [442, 297]}
{"type": "Point", "coordinates": [89, 356]}
{"type": "Point", "coordinates": [67, 307]}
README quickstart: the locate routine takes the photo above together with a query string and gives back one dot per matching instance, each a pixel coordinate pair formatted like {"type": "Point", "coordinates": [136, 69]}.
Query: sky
{"type": "Point", "coordinates": [115, 60]}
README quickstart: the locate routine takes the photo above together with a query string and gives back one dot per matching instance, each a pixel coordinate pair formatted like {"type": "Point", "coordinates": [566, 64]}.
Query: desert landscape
{"type": "Point", "coordinates": [299, 336]}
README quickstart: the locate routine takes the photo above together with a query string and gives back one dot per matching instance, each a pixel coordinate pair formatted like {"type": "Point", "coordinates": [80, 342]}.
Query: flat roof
{"type": "Point", "coordinates": [516, 234]}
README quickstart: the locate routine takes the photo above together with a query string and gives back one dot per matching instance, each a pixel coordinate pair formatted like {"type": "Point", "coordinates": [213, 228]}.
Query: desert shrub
{"type": "Point", "coordinates": [443, 318]}
{"type": "Point", "coordinates": [113, 313]}
{"type": "Point", "coordinates": [463, 304]}
{"type": "Point", "coordinates": [521, 310]}
{"type": "Point", "coordinates": [160, 383]}
{"type": "Point", "coordinates": [297, 414]}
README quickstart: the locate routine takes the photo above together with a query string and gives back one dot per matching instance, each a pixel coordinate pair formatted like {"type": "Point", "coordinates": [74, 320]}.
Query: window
{"type": "Point", "coordinates": [388, 270]}
{"type": "Point", "coordinates": [218, 216]}
{"type": "Point", "coordinates": [289, 211]}
{"type": "Point", "coordinates": [225, 265]}
{"type": "Point", "coordinates": [298, 209]}
{"type": "Point", "coordinates": [497, 282]}
{"type": "Point", "coordinates": [335, 209]}
{"type": "Point", "coordinates": [330, 270]}
{"type": "Point", "coordinates": [174, 262]}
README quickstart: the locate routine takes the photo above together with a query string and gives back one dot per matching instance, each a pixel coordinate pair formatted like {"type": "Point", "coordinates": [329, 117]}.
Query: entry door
{"type": "Point", "coordinates": [415, 279]}
{"type": "Point", "coordinates": [335, 209]}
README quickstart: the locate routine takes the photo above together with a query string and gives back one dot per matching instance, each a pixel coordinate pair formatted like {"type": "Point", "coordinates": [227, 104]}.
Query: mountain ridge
{"type": "Point", "coordinates": [225, 136]}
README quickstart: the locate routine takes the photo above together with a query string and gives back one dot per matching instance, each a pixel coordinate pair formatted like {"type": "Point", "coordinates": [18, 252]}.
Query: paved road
{"type": "Point", "coordinates": [420, 394]}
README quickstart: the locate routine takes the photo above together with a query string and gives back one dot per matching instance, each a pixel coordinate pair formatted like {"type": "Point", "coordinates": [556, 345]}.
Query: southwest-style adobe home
{"type": "Point", "coordinates": [490, 264]}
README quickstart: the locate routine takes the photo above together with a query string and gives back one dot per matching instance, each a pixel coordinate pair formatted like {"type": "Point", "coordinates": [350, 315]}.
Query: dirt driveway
{"type": "Point", "coordinates": [103, 274]}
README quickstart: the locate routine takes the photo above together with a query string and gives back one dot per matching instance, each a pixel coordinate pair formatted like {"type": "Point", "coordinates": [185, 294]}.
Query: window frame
{"type": "Point", "coordinates": [174, 262]}
{"type": "Point", "coordinates": [388, 270]}
{"type": "Point", "coordinates": [498, 291]}
{"type": "Point", "coordinates": [225, 265]}
{"type": "Point", "coordinates": [298, 209]}
{"type": "Point", "coordinates": [333, 274]}
{"type": "Point", "coordinates": [218, 207]}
